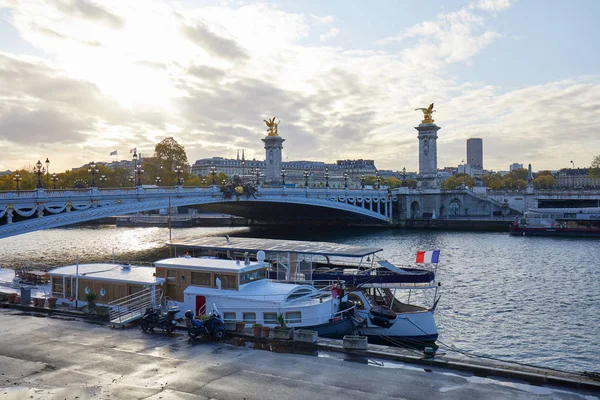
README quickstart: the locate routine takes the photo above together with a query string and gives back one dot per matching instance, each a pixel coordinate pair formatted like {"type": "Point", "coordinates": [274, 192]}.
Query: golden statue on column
{"type": "Point", "coordinates": [427, 114]}
{"type": "Point", "coordinates": [272, 126]}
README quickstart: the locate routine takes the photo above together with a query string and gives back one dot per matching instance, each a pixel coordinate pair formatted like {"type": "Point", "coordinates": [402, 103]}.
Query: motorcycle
{"type": "Point", "coordinates": [154, 318]}
{"type": "Point", "coordinates": [212, 326]}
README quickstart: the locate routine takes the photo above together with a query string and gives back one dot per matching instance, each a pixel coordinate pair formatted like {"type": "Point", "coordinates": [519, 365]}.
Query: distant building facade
{"type": "Point", "coordinates": [576, 178]}
{"type": "Point", "coordinates": [475, 152]}
{"type": "Point", "coordinates": [515, 166]}
{"type": "Point", "coordinates": [294, 170]}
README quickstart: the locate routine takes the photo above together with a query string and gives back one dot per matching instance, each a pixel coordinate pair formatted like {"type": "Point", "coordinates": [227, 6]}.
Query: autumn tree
{"type": "Point", "coordinates": [544, 182]}
{"type": "Point", "coordinates": [595, 168]}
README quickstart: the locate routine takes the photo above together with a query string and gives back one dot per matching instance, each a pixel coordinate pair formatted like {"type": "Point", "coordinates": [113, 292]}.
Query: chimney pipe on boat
{"type": "Point", "coordinates": [246, 258]}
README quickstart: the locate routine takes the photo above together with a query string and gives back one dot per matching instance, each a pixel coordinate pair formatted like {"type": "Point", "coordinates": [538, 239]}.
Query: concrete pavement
{"type": "Point", "coordinates": [45, 357]}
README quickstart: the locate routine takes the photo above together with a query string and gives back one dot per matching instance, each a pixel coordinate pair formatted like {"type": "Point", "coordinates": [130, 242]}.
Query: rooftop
{"type": "Point", "coordinates": [109, 272]}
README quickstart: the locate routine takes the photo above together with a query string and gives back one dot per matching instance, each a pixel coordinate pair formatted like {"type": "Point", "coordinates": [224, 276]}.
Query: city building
{"type": "Point", "coordinates": [296, 172]}
{"type": "Point", "coordinates": [475, 152]}
{"type": "Point", "coordinates": [515, 166]}
{"type": "Point", "coordinates": [576, 178]}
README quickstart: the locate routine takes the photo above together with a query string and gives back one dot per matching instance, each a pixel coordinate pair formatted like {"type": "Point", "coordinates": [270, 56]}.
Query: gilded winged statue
{"type": "Point", "coordinates": [427, 114]}
{"type": "Point", "coordinates": [272, 126]}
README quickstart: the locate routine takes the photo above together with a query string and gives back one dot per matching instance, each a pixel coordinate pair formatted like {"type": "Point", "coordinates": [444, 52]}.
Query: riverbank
{"type": "Point", "coordinates": [441, 359]}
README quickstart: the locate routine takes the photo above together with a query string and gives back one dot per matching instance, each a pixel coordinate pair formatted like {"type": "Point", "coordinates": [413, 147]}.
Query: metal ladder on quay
{"type": "Point", "coordinates": [133, 307]}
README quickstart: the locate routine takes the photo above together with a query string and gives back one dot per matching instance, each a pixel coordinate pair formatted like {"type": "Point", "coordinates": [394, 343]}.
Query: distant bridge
{"type": "Point", "coordinates": [27, 211]}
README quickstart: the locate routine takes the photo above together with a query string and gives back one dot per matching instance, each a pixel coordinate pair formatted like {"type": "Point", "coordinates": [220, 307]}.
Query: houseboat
{"type": "Point", "coordinates": [241, 291]}
{"type": "Point", "coordinates": [379, 291]}
{"type": "Point", "coordinates": [558, 222]}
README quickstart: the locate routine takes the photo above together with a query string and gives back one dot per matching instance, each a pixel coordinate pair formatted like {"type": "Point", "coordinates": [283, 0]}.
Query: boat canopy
{"type": "Point", "coordinates": [238, 244]}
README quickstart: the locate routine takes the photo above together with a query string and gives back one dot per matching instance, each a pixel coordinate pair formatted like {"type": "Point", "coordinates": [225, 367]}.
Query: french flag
{"type": "Point", "coordinates": [428, 257]}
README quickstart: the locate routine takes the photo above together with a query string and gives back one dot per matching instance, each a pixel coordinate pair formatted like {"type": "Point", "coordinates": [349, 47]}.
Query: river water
{"type": "Point", "coordinates": [524, 299]}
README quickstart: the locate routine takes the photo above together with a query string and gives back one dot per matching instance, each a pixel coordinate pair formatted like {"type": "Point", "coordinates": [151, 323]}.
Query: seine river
{"type": "Point", "coordinates": [530, 300]}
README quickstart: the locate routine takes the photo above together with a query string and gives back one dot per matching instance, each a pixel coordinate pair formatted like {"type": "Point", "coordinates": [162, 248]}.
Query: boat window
{"type": "Point", "coordinates": [229, 316]}
{"type": "Point", "coordinates": [356, 300]}
{"type": "Point", "coordinates": [252, 276]}
{"type": "Point", "coordinates": [249, 317]}
{"type": "Point", "coordinates": [201, 278]}
{"type": "Point", "coordinates": [270, 318]}
{"type": "Point", "coordinates": [228, 281]}
{"type": "Point", "coordinates": [299, 293]}
{"type": "Point", "coordinates": [293, 317]}
{"type": "Point", "coordinates": [171, 274]}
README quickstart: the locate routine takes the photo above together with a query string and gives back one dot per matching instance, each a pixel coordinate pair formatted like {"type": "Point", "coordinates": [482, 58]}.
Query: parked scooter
{"type": "Point", "coordinates": [153, 318]}
{"type": "Point", "coordinates": [212, 326]}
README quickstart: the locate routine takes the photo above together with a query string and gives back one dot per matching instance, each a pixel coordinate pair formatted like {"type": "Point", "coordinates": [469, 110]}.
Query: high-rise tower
{"type": "Point", "coordinates": [475, 153]}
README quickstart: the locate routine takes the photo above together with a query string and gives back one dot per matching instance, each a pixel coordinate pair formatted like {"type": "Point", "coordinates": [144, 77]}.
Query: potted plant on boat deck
{"type": "Point", "coordinates": [90, 298]}
{"type": "Point", "coordinates": [240, 326]}
{"type": "Point", "coordinates": [257, 329]}
{"type": "Point", "coordinates": [281, 331]}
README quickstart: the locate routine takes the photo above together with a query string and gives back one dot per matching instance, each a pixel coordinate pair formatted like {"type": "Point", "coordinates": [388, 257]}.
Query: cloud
{"type": "Point", "coordinates": [89, 11]}
{"type": "Point", "coordinates": [214, 44]}
{"type": "Point", "coordinates": [333, 32]}
{"type": "Point", "coordinates": [492, 5]}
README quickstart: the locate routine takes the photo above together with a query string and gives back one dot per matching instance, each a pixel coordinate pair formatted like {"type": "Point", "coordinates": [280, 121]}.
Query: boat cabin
{"type": "Point", "coordinates": [207, 272]}
{"type": "Point", "coordinates": [109, 282]}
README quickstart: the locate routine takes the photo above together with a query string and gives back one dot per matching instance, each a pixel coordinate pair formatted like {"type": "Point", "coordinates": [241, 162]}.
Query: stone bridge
{"type": "Point", "coordinates": [27, 211]}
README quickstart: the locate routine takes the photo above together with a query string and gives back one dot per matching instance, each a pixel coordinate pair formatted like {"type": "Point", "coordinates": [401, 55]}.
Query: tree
{"type": "Point", "coordinates": [170, 154]}
{"type": "Point", "coordinates": [544, 182]}
{"type": "Point", "coordinates": [595, 168]}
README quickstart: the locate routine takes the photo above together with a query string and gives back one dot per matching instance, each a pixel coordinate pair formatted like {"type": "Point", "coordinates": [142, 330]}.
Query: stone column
{"type": "Point", "coordinates": [273, 147]}
{"type": "Point", "coordinates": [427, 176]}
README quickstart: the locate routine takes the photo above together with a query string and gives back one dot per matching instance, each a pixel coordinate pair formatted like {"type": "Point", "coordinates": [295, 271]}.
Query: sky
{"type": "Point", "coordinates": [80, 79]}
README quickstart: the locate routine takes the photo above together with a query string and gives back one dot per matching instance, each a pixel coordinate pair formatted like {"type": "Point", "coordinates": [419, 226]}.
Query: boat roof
{"type": "Point", "coordinates": [110, 272]}
{"type": "Point", "coordinates": [209, 264]}
{"type": "Point", "coordinates": [276, 245]}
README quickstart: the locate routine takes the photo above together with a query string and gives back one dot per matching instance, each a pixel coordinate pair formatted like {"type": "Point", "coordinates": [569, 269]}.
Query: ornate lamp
{"type": "Point", "coordinates": [103, 178]}
{"type": "Point", "coordinates": [362, 181]}
{"type": "Point", "coordinates": [39, 171]}
{"type": "Point", "coordinates": [47, 162]}
{"type": "Point", "coordinates": [179, 171]}
{"type": "Point", "coordinates": [283, 176]}
{"type": "Point", "coordinates": [54, 179]}
{"type": "Point", "coordinates": [346, 180]}
{"type": "Point", "coordinates": [213, 173]}
{"type": "Point", "coordinates": [326, 177]}
{"type": "Point", "coordinates": [17, 179]}
{"type": "Point", "coordinates": [305, 178]}
{"type": "Point", "coordinates": [93, 170]}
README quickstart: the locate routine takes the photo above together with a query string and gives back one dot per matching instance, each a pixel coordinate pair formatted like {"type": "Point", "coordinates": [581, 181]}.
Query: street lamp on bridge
{"type": "Point", "coordinates": [362, 181]}
{"type": "Point", "coordinates": [257, 176]}
{"type": "Point", "coordinates": [39, 170]}
{"type": "Point", "coordinates": [17, 179]}
{"type": "Point", "coordinates": [305, 178]}
{"type": "Point", "coordinates": [213, 173]}
{"type": "Point", "coordinates": [47, 162]}
{"type": "Point", "coordinates": [103, 178]}
{"type": "Point", "coordinates": [326, 177]}
{"type": "Point", "coordinates": [139, 171]}
{"type": "Point", "coordinates": [157, 180]}
{"type": "Point", "coordinates": [179, 171]}
{"type": "Point", "coordinates": [378, 182]}
{"type": "Point", "coordinates": [283, 176]}
{"type": "Point", "coordinates": [93, 170]}
{"type": "Point", "coordinates": [132, 179]}
{"type": "Point", "coordinates": [346, 180]}
{"type": "Point", "coordinates": [54, 179]}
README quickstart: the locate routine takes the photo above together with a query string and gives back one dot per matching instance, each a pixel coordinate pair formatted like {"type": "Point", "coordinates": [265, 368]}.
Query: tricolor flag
{"type": "Point", "coordinates": [113, 153]}
{"type": "Point", "coordinates": [428, 257]}
{"type": "Point", "coordinates": [134, 150]}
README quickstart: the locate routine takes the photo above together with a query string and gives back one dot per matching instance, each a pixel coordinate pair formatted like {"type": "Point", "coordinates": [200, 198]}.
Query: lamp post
{"type": "Point", "coordinates": [203, 181]}
{"type": "Point", "coordinates": [93, 170]}
{"type": "Point", "coordinates": [403, 175]}
{"type": "Point", "coordinates": [345, 180]}
{"type": "Point", "coordinates": [131, 179]}
{"type": "Point", "coordinates": [326, 177]}
{"type": "Point", "coordinates": [179, 171]}
{"type": "Point", "coordinates": [103, 178]}
{"type": "Point", "coordinates": [139, 171]}
{"type": "Point", "coordinates": [378, 182]}
{"type": "Point", "coordinates": [305, 178]}
{"type": "Point", "coordinates": [17, 179]}
{"type": "Point", "coordinates": [157, 180]}
{"type": "Point", "coordinates": [39, 170]}
{"type": "Point", "coordinates": [283, 176]}
{"type": "Point", "coordinates": [47, 162]}
{"type": "Point", "coordinates": [213, 173]}
{"type": "Point", "coordinates": [257, 176]}
{"type": "Point", "coordinates": [362, 181]}
{"type": "Point", "coordinates": [243, 169]}
{"type": "Point", "coordinates": [54, 179]}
